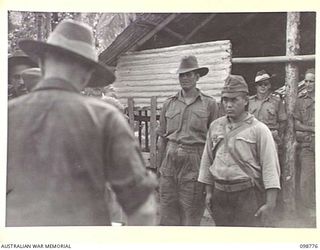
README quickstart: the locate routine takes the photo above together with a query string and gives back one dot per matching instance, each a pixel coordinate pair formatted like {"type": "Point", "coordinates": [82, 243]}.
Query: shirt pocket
{"type": "Point", "coordinates": [246, 147]}
{"type": "Point", "coordinates": [215, 141]}
{"type": "Point", "coordinates": [173, 120]}
{"type": "Point", "coordinates": [199, 120]}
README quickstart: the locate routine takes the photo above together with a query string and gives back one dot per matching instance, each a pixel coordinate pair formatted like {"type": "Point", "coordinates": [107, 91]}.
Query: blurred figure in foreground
{"type": "Point", "coordinates": [63, 147]}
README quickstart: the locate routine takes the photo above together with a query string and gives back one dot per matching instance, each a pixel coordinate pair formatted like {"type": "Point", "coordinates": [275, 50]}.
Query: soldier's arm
{"type": "Point", "coordinates": [282, 117]}
{"type": "Point", "coordinates": [204, 173]}
{"type": "Point", "coordinates": [266, 210]}
{"type": "Point", "coordinates": [205, 163]}
{"type": "Point", "coordinates": [161, 131]}
{"type": "Point", "coordinates": [145, 214]}
{"type": "Point", "coordinates": [214, 111]}
{"type": "Point", "coordinates": [162, 148]}
{"type": "Point", "coordinates": [132, 183]}
{"type": "Point", "coordinates": [270, 172]}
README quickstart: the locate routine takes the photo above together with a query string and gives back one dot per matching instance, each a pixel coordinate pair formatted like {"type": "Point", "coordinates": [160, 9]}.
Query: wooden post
{"type": "Point", "coordinates": [153, 135]}
{"type": "Point", "coordinates": [140, 127]}
{"type": "Point", "coordinates": [48, 28]}
{"type": "Point", "coordinates": [146, 131]}
{"type": "Point", "coordinates": [292, 78]}
{"type": "Point", "coordinates": [39, 21]}
{"type": "Point", "coordinates": [131, 112]}
{"type": "Point", "coordinates": [274, 59]}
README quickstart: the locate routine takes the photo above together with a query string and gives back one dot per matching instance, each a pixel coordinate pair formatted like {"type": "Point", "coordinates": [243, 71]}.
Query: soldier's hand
{"type": "Point", "coordinates": [265, 214]}
{"type": "Point", "coordinates": [208, 200]}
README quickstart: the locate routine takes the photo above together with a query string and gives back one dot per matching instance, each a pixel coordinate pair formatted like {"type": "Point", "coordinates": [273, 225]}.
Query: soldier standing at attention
{"type": "Point", "coordinates": [240, 163]}
{"type": "Point", "coordinates": [305, 133]}
{"type": "Point", "coordinates": [184, 122]}
{"type": "Point", "coordinates": [268, 107]}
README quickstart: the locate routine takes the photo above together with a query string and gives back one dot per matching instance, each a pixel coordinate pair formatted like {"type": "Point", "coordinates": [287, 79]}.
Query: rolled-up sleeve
{"type": "Point", "coordinates": [161, 129]}
{"type": "Point", "coordinates": [268, 158]}
{"type": "Point", "coordinates": [125, 169]}
{"type": "Point", "coordinates": [206, 161]}
{"type": "Point", "coordinates": [213, 111]}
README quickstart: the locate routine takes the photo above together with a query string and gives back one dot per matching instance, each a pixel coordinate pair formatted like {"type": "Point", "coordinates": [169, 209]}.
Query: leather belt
{"type": "Point", "coordinates": [233, 187]}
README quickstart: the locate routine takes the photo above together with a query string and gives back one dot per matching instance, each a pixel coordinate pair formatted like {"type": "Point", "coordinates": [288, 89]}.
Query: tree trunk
{"type": "Point", "coordinates": [292, 75]}
{"type": "Point", "coordinates": [39, 20]}
{"type": "Point", "coordinates": [48, 28]}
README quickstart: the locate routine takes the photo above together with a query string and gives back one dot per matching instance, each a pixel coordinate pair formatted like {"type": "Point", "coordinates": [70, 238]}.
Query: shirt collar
{"type": "Point", "coordinates": [55, 83]}
{"type": "Point", "coordinates": [265, 99]}
{"type": "Point", "coordinates": [247, 119]}
{"type": "Point", "coordinates": [180, 97]}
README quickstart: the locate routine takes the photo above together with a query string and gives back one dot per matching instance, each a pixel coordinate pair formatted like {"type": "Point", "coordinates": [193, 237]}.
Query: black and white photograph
{"type": "Point", "coordinates": [161, 119]}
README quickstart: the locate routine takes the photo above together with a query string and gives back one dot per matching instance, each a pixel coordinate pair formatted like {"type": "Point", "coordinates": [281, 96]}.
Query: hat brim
{"type": "Point", "coordinates": [101, 76]}
{"type": "Point", "coordinates": [271, 77]}
{"type": "Point", "coordinates": [202, 71]}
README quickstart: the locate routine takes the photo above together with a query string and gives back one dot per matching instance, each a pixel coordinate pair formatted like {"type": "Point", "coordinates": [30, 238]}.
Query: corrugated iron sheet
{"type": "Point", "coordinates": [148, 73]}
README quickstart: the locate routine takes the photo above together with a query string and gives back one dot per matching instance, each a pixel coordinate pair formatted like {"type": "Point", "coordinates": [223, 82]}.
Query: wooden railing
{"type": "Point", "coordinates": [144, 122]}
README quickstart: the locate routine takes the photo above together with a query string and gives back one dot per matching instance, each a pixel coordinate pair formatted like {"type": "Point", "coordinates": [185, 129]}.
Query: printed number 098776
{"type": "Point", "coordinates": [309, 246]}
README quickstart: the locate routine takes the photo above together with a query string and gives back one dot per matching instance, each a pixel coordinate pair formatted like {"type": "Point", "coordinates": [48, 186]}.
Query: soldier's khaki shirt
{"type": "Point", "coordinates": [305, 113]}
{"type": "Point", "coordinates": [270, 111]}
{"type": "Point", "coordinates": [187, 123]}
{"type": "Point", "coordinates": [62, 148]}
{"type": "Point", "coordinates": [304, 110]}
{"type": "Point", "coordinates": [254, 145]}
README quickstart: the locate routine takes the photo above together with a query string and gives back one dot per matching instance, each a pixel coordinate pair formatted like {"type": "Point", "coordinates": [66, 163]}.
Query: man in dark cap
{"type": "Point", "coordinates": [240, 163]}
{"type": "Point", "coordinates": [305, 133]}
{"type": "Point", "coordinates": [63, 147]}
{"type": "Point", "coordinates": [17, 62]}
{"type": "Point", "coordinates": [184, 122]}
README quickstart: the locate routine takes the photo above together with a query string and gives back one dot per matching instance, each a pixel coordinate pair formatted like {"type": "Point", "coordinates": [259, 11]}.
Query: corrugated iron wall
{"type": "Point", "coordinates": [148, 73]}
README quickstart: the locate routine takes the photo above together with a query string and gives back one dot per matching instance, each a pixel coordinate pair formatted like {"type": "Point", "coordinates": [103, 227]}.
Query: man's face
{"type": "Point", "coordinates": [310, 82]}
{"type": "Point", "coordinates": [15, 79]}
{"type": "Point", "coordinates": [263, 87]}
{"type": "Point", "coordinates": [188, 80]}
{"type": "Point", "coordinates": [235, 106]}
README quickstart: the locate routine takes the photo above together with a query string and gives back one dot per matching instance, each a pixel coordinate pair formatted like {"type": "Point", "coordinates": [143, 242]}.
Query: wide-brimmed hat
{"type": "Point", "coordinates": [190, 63]}
{"type": "Point", "coordinates": [31, 77]}
{"type": "Point", "coordinates": [76, 40]}
{"type": "Point", "coordinates": [18, 57]}
{"type": "Point", "coordinates": [262, 75]}
{"type": "Point", "coordinates": [235, 85]}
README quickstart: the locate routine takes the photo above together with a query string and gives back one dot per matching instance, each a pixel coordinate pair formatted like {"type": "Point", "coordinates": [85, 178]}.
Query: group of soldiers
{"type": "Point", "coordinates": [229, 160]}
{"type": "Point", "coordinates": [63, 146]}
